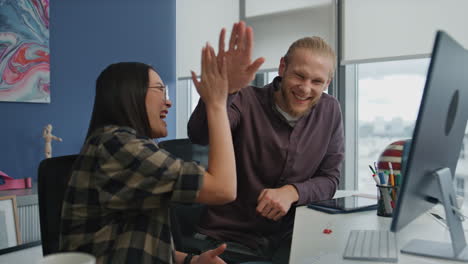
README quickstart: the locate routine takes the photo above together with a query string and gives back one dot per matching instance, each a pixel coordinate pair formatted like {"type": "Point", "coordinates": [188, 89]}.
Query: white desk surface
{"type": "Point", "coordinates": [310, 245]}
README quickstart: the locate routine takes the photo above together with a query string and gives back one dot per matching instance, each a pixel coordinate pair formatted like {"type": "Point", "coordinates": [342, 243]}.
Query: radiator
{"type": "Point", "coordinates": [29, 222]}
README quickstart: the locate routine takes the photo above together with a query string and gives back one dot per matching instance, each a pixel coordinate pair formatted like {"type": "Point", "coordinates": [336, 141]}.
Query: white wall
{"type": "Point", "coordinates": [199, 21]}
{"type": "Point", "coordinates": [377, 29]}
{"type": "Point", "coordinates": [263, 7]}
{"type": "Point", "coordinates": [275, 33]}
{"type": "Point", "coordinates": [275, 28]}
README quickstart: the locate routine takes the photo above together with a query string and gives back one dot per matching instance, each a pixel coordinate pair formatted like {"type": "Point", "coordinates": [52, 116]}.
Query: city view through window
{"type": "Point", "coordinates": [389, 95]}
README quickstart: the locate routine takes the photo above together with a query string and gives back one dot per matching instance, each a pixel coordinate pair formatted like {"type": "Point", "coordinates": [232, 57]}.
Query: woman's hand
{"type": "Point", "coordinates": [213, 87]}
{"type": "Point", "coordinates": [211, 256]}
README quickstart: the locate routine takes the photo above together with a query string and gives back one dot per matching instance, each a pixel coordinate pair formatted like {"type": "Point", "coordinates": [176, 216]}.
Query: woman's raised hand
{"type": "Point", "coordinates": [213, 87]}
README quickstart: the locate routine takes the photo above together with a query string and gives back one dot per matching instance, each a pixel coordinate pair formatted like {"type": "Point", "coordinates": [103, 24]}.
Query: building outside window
{"type": "Point", "coordinates": [389, 95]}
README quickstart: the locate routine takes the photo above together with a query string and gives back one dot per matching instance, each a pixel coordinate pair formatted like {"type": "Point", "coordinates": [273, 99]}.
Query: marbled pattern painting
{"type": "Point", "coordinates": [24, 51]}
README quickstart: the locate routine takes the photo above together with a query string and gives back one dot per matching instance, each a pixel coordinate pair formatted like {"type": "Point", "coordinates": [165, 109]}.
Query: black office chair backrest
{"type": "Point", "coordinates": [53, 176]}
{"type": "Point", "coordinates": [186, 150]}
{"type": "Point", "coordinates": [185, 217]}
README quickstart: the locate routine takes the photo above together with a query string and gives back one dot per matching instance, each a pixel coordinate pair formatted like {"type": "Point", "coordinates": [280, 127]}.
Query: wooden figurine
{"type": "Point", "coordinates": [47, 135]}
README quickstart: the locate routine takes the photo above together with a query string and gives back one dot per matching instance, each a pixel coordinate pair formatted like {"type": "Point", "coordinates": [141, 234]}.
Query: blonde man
{"type": "Point", "coordinates": [289, 146]}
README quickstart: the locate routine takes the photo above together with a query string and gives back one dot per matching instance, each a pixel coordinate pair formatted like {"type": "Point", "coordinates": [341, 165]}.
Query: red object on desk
{"type": "Point", "coordinates": [327, 231]}
{"type": "Point", "coordinates": [10, 184]}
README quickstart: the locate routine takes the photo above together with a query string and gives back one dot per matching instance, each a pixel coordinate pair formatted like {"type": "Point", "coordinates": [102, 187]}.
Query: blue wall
{"type": "Point", "coordinates": [85, 37]}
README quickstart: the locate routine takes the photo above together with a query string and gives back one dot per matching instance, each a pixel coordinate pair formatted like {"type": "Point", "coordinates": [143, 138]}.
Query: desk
{"type": "Point", "coordinates": [310, 245]}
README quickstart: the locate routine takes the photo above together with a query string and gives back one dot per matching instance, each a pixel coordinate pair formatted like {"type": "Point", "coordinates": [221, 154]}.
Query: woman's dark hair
{"type": "Point", "coordinates": [120, 98]}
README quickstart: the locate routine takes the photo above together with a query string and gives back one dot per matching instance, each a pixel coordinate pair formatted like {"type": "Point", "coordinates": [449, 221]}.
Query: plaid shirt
{"type": "Point", "coordinates": [116, 206]}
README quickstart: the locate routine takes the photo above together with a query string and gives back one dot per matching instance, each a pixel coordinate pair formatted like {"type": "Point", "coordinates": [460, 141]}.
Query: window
{"type": "Point", "coordinates": [194, 96]}
{"type": "Point", "coordinates": [389, 95]}
{"type": "Point", "coordinates": [270, 75]}
{"type": "Point", "coordinates": [187, 100]}
{"type": "Point", "coordinates": [184, 106]}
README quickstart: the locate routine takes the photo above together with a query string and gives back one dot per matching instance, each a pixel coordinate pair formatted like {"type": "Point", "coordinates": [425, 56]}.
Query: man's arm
{"type": "Point", "coordinates": [241, 71]}
{"type": "Point", "coordinates": [325, 183]}
{"type": "Point", "coordinates": [197, 127]}
{"type": "Point", "coordinates": [275, 203]}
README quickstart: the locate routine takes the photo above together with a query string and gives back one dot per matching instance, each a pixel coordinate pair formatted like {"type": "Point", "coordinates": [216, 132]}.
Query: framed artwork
{"type": "Point", "coordinates": [24, 51]}
{"type": "Point", "coordinates": [9, 223]}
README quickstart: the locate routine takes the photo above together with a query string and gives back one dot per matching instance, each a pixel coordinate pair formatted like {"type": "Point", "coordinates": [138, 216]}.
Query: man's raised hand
{"type": "Point", "coordinates": [240, 68]}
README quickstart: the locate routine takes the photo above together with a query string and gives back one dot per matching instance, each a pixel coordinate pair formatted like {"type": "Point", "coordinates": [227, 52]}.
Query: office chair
{"type": "Point", "coordinates": [185, 217]}
{"type": "Point", "coordinates": [53, 176]}
{"type": "Point", "coordinates": [186, 150]}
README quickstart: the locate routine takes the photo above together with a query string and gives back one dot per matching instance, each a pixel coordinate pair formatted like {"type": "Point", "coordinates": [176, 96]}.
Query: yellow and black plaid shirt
{"type": "Point", "coordinates": [116, 206]}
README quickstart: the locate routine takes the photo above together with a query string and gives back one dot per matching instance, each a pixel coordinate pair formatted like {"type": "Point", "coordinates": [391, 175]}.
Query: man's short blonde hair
{"type": "Point", "coordinates": [314, 44]}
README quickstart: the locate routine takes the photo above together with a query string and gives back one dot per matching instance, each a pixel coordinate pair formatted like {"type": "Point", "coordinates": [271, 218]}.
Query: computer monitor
{"type": "Point", "coordinates": [434, 150]}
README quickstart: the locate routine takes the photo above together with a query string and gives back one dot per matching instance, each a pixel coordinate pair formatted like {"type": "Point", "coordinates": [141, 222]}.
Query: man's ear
{"type": "Point", "coordinates": [327, 84]}
{"type": "Point", "coordinates": [282, 67]}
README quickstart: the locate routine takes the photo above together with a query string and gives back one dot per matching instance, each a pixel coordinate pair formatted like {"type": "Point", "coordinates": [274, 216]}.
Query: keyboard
{"type": "Point", "coordinates": [374, 245]}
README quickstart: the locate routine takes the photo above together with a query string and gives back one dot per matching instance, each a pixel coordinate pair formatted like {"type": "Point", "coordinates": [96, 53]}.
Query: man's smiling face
{"type": "Point", "coordinates": [305, 76]}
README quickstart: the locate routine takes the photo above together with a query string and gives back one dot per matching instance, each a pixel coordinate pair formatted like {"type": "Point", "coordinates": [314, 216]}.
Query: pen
{"type": "Point", "coordinates": [392, 181]}
{"type": "Point", "coordinates": [438, 217]}
{"type": "Point", "coordinates": [376, 179]}
{"type": "Point", "coordinates": [398, 179]}
{"type": "Point", "coordinates": [391, 177]}
{"type": "Point", "coordinates": [382, 178]}
{"type": "Point", "coordinates": [374, 176]}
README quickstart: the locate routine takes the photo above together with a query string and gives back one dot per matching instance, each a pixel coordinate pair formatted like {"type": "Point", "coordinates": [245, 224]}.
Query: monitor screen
{"type": "Point", "coordinates": [434, 150]}
{"type": "Point", "coordinates": [439, 130]}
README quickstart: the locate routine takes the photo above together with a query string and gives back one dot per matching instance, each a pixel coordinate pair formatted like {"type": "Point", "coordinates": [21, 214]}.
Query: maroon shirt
{"type": "Point", "coordinates": [270, 154]}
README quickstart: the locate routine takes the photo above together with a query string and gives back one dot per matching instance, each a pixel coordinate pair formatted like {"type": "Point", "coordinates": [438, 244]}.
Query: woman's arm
{"type": "Point", "coordinates": [220, 182]}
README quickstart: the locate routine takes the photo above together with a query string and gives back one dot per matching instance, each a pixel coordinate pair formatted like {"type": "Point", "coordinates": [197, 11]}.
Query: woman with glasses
{"type": "Point", "coordinates": [116, 206]}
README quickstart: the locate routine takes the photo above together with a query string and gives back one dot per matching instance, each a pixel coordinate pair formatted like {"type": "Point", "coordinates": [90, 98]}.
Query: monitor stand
{"type": "Point", "coordinates": [457, 250]}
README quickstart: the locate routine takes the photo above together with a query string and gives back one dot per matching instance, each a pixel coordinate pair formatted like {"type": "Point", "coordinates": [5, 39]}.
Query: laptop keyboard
{"type": "Point", "coordinates": [375, 245]}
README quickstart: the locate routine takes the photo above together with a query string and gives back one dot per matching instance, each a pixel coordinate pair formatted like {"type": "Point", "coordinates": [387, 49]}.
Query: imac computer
{"type": "Point", "coordinates": [435, 147]}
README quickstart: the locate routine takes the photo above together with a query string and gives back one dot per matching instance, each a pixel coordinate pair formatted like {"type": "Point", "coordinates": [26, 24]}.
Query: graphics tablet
{"type": "Point", "coordinates": [343, 205]}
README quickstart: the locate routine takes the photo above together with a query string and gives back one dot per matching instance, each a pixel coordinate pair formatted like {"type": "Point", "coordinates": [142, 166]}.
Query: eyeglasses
{"type": "Point", "coordinates": [164, 89]}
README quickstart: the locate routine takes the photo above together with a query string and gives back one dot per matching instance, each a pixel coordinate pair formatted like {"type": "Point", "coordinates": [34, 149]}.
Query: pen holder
{"type": "Point", "coordinates": [387, 196]}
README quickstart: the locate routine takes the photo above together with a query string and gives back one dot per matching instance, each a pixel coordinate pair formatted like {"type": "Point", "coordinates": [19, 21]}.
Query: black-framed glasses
{"type": "Point", "coordinates": [162, 88]}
